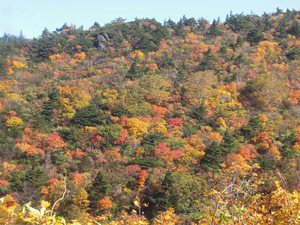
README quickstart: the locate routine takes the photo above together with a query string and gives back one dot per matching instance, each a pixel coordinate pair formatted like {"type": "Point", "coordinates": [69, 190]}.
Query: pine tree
{"type": "Point", "coordinates": [214, 29]}
{"type": "Point", "coordinates": [37, 177]}
{"type": "Point", "coordinates": [134, 71]}
{"type": "Point", "coordinates": [52, 103]}
{"type": "Point", "coordinates": [89, 116]}
{"type": "Point", "coordinates": [164, 198]}
{"type": "Point", "coordinates": [253, 128]}
{"type": "Point", "coordinates": [229, 144]}
{"type": "Point", "coordinates": [239, 41]}
{"type": "Point", "coordinates": [255, 36]}
{"type": "Point", "coordinates": [295, 29]}
{"type": "Point", "coordinates": [213, 157]}
{"type": "Point", "coordinates": [199, 113]}
{"type": "Point", "coordinates": [100, 187]}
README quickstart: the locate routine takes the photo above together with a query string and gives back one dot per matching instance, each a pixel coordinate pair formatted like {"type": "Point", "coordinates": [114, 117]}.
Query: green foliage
{"type": "Point", "coordinates": [134, 71]}
{"type": "Point", "coordinates": [213, 157]}
{"type": "Point", "coordinates": [71, 136]}
{"type": "Point", "coordinates": [144, 163]}
{"type": "Point", "coordinates": [16, 181]}
{"type": "Point", "coordinates": [264, 162]}
{"type": "Point", "coordinates": [89, 116]}
{"type": "Point", "coordinates": [214, 30]}
{"type": "Point", "coordinates": [238, 22]}
{"type": "Point", "coordinates": [36, 177]}
{"type": "Point", "coordinates": [229, 144]}
{"type": "Point", "coordinates": [255, 36]}
{"type": "Point", "coordinates": [253, 128]}
{"type": "Point", "coordinates": [100, 187]}
{"type": "Point", "coordinates": [111, 133]}
{"type": "Point", "coordinates": [199, 114]}
{"type": "Point", "coordinates": [163, 199]}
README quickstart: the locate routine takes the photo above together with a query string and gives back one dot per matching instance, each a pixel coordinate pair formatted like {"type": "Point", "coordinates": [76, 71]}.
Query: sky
{"type": "Point", "coordinates": [32, 16]}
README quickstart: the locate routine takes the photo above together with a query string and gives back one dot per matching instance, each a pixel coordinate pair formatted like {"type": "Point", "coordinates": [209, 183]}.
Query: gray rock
{"type": "Point", "coordinates": [101, 46]}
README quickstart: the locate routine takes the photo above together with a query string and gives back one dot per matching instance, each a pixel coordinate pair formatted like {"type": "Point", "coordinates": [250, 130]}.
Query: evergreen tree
{"type": "Point", "coordinates": [239, 41]}
{"type": "Point", "coordinates": [212, 158]}
{"type": "Point", "coordinates": [37, 177]}
{"type": "Point", "coordinates": [255, 36]}
{"type": "Point", "coordinates": [199, 113]}
{"type": "Point", "coordinates": [229, 144]}
{"type": "Point", "coordinates": [286, 151]}
{"type": "Point", "coordinates": [163, 199]}
{"type": "Point", "coordinates": [100, 187]}
{"type": "Point", "coordinates": [214, 29]}
{"type": "Point", "coordinates": [89, 116]}
{"type": "Point", "coordinates": [295, 29]}
{"type": "Point", "coordinates": [134, 71]}
{"type": "Point", "coordinates": [253, 128]}
{"type": "Point", "coordinates": [52, 103]}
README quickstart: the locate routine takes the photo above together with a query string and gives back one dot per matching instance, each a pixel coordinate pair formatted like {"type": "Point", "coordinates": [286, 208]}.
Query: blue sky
{"type": "Point", "coordinates": [32, 16]}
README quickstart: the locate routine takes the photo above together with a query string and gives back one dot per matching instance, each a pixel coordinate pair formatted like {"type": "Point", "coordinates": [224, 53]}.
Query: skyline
{"type": "Point", "coordinates": [33, 16]}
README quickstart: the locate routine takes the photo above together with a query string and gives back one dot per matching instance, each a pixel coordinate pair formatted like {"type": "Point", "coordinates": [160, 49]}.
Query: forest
{"type": "Point", "coordinates": [140, 122]}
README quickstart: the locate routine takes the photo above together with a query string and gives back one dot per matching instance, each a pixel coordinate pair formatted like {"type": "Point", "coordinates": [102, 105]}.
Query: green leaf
{"type": "Point", "coordinates": [224, 218]}
{"type": "Point", "coordinates": [205, 215]}
{"type": "Point", "coordinates": [24, 207]}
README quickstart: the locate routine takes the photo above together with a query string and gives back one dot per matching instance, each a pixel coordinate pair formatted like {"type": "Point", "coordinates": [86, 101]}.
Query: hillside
{"type": "Point", "coordinates": [147, 123]}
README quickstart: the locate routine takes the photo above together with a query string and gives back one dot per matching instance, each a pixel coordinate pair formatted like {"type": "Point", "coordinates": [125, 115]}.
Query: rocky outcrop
{"type": "Point", "coordinates": [102, 41]}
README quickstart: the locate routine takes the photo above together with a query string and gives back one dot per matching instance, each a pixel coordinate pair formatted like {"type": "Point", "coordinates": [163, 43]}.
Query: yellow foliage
{"type": "Point", "coordinates": [191, 155]}
{"type": "Point", "coordinates": [80, 56]}
{"type": "Point", "coordinates": [140, 54]}
{"type": "Point", "coordinates": [275, 153]}
{"type": "Point", "coordinates": [136, 128]}
{"type": "Point", "coordinates": [81, 199]}
{"type": "Point", "coordinates": [13, 122]}
{"type": "Point", "coordinates": [160, 127]}
{"type": "Point", "coordinates": [168, 217]}
{"type": "Point", "coordinates": [54, 57]}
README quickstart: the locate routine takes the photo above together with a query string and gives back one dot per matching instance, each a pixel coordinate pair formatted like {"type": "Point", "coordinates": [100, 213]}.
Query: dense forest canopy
{"type": "Point", "coordinates": [139, 122]}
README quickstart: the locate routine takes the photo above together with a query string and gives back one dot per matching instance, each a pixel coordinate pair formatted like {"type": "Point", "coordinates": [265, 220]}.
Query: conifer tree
{"type": "Point", "coordinates": [229, 144]}
{"type": "Point", "coordinates": [100, 187]}
{"type": "Point", "coordinates": [198, 113]}
{"type": "Point", "coordinates": [89, 116]}
{"type": "Point", "coordinates": [214, 29]}
{"type": "Point", "coordinates": [213, 157]}
{"type": "Point", "coordinates": [134, 71]}
{"type": "Point", "coordinates": [52, 103]}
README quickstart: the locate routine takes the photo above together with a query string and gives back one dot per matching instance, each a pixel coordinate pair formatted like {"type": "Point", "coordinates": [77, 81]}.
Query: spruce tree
{"type": "Point", "coordinates": [213, 157]}
{"type": "Point", "coordinates": [255, 36]}
{"type": "Point", "coordinates": [253, 128]}
{"type": "Point", "coordinates": [199, 113]}
{"type": "Point", "coordinates": [229, 144]}
{"type": "Point", "coordinates": [214, 29]}
{"type": "Point", "coordinates": [52, 103]}
{"type": "Point", "coordinates": [164, 198]}
{"type": "Point", "coordinates": [239, 41]}
{"type": "Point", "coordinates": [134, 71]}
{"type": "Point", "coordinates": [89, 116]}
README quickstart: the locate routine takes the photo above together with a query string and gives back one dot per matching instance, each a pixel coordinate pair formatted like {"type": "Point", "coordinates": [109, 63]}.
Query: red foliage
{"type": "Point", "coordinates": [176, 154]}
{"type": "Point", "coordinates": [123, 139]}
{"type": "Point", "coordinates": [53, 181]}
{"type": "Point", "coordinates": [174, 121]}
{"type": "Point", "coordinates": [248, 153]}
{"type": "Point", "coordinates": [160, 111]}
{"type": "Point", "coordinates": [53, 141]}
{"type": "Point", "coordinates": [143, 176]}
{"type": "Point", "coordinates": [133, 170]}
{"type": "Point", "coordinates": [79, 177]}
{"type": "Point", "coordinates": [96, 139]}
{"type": "Point", "coordinates": [3, 183]}
{"type": "Point", "coordinates": [161, 150]}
